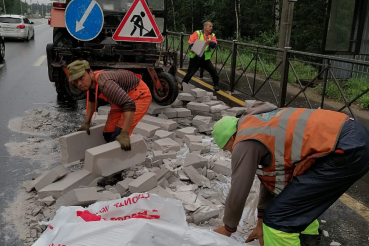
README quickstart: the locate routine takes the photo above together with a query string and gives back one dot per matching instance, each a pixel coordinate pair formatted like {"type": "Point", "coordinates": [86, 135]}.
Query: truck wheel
{"type": "Point", "coordinates": [61, 37]}
{"type": "Point", "coordinates": [169, 91]}
{"type": "Point", "coordinates": [74, 92]}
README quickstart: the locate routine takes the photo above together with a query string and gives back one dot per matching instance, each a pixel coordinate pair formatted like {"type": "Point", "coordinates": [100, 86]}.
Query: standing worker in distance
{"type": "Point", "coordinates": [204, 62]}
{"type": "Point", "coordinates": [128, 95]}
{"type": "Point", "coordinates": [305, 159]}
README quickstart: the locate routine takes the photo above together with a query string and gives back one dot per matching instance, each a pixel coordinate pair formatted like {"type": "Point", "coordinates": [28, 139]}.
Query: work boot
{"type": "Point", "coordinates": [311, 240]}
{"type": "Point", "coordinates": [216, 88]}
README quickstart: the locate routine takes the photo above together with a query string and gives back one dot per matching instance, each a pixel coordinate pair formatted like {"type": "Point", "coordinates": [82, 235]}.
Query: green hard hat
{"type": "Point", "coordinates": [224, 129]}
{"type": "Point", "coordinates": [77, 68]}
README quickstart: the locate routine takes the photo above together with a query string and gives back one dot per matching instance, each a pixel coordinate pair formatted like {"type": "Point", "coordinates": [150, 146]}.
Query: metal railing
{"type": "Point", "coordinates": [277, 75]}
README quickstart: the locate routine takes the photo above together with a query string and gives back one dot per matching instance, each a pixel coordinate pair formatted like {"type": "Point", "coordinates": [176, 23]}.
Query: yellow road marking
{"type": "Point", "coordinates": [236, 100]}
{"type": "Point", "coordinates": [359, 208]}
{"type": "Point", "coordinates": [39, 61]}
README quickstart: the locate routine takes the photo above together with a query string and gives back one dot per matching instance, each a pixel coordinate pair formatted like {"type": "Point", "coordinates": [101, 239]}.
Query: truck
{"type": "Point", "coordinates": [156, 66]}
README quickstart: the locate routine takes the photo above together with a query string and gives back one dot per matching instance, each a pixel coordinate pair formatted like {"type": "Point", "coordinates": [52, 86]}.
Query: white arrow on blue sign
{"type": "Point", "coordinates": [84, 19]}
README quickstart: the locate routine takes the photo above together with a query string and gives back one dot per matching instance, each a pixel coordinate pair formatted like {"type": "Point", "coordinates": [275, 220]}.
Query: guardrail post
{"type": "Point", "coordinates": [181, 50]}
{"type": "Point", "coordinates": [327, 67]}
{"type": "Point", "coordinates": [233, 65]}
{"type": "Point", "coordinates": [284, 79]}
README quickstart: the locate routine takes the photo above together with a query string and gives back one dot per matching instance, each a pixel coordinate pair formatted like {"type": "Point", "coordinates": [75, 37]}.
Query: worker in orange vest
{"type": "Point", "coordinates": [305, 159]}
{"type": "Point", "coordinates": [204, 62]}
{"type": "Point", "coordinates": [128, 95]}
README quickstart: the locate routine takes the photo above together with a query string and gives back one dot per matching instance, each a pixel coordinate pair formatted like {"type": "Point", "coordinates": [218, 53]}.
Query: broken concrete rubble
{"type": "Point", "coordinates": [156, 109]}
{"type": "Point", "coordinates": [218, 108]}
{"type": "Point", "coordinates": [206, 127]}
{"type": "Point", "coordinates": [160, 134]}
{"type": "Point", "coordinates": [223, 167]}
{"type": "Point", "coordinates": [186, 97]}
{"type": "Point", "coordinates": [50, 177]}
{"type": "Point", "coordinates": [203, 99]}
{"type": "Point", "coordinates": [166, 145]}
{"type": "Point", "coordinates": [145, 129]}
{"type": "Point", "coordinates": [195, 160]}
{"type": "Point", "coordinates": [161, 192]}
{"type": "Point", "coordinates": [202, 147]}
{"type": "Point", "coordinates": [197, 92]}
{"type": "Point", "coordinates": [181, 133]}
{"type": "Point", "coordinates": [145, 182]}
{"type": "Point", "coordinates": [196, 177]}
{"type": "Point", "coordinates": [183, 112]}
{"type": "Point", "coordinates": [78, 197]}
{"type": "Point", "coordinates": [170, 113]}
{"type": "Point", "coordinates": [122, 186]}
{"type": "Point", "coordinates": [201, 120]}
{"type": "Point", "coordinates": [160, 155]}
{"type": "Point", "coordinates": [192, 139]}
{"type": "Point", "coordinates": [168, 125]}
{"type": "Point", "coordinates": [198, 106]}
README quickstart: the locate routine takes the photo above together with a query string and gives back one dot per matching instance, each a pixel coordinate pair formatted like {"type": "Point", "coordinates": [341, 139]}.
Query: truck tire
{"type": "Point", "coordinates": [61, 37]}
{"type": "Point", "coordinates": [75, 93]}
{"type": "Point", "coordinates": [170, 89]}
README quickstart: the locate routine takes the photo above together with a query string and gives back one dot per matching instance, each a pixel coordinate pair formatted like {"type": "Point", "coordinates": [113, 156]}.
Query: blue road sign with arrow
{"type": "Point", "coordinates": [84, 19]}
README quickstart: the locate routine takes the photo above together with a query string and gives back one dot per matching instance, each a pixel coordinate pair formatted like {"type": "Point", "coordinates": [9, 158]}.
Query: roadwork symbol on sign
{"type": "Point", "coordinates": [84, 19]}
{"type": "Point", "coordinates": [138, 25]}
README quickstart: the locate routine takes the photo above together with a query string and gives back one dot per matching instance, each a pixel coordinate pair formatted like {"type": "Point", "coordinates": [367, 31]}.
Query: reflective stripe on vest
{"type": "Point", "coordinates": [207, 52]}
{"type": "Point", "coordinates": [293, 136]}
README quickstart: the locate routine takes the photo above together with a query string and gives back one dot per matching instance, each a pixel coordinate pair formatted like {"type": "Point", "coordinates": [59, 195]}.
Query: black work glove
{"type": "Point", "coordinates": [124, 140]}
{"type": "Point", "coordinates": [85, 127]}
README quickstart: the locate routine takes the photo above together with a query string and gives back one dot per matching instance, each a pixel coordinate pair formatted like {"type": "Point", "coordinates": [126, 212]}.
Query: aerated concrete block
{"type": "Point", "coordinates": [201, 120]}
{"type": "Point", "coordinates": [145, 182]}
{"type": "Point", "coordinates": [69, 182]}
{"type": "Point", "coordinates": [181, 133]}
{"type": "Point", "coordinates": [73, 146]}
{"type": "Point", "coordinates": [50, 177]}
{"type": "Point", "coordinates": [156, 109]}
{"type": "Point", "coordinates": [195, 177]}
{"type": "Point", "coordinates": [188, 87]}
{"type": "Point", "coordinates": [122, 186]}
{"type": "Point", "coordinates": [160, 155]}
{"type": "Point", "coordinates": [199, 92]}
{"type": "Point", "coordinates": [145, 130]}
{"type": "Point", "coordinates": [223, 167]}
{"type": "Point", "coordinates": [195, 160]}
{"type": "Point", "coordinates": [168, 125]}
{"type": "Point", "coordinates": [218, 108]}
{"type": "Point", "coordinates": [99, 119]}
{"type": "Point", "coordinates": [160, 134]}
{"type": "Point", "coordinates": [206, 127]}
{"type": "Point", "coordinates": [170, 113]}
{"type": "Point", "coordinates": [192, 139]}
{"type": "Point", "coordinates": [166, 145]}
{"type": "Point", "coordinates": [183, 112]}
{"type": "Point", "coordinates": [109, 158]}
{"type": "Point", "coordinates": [104, 110]}
{"type": "Point", "coordinates": [78, 197]}
{"type": "Point", "coordinates": [198, 106]}
{"type": "Point", "coordinates": [186, 97]}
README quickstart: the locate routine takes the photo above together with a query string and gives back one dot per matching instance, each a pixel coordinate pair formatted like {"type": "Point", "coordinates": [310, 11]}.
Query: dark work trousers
{"type": "Point", "coordinates": [310, 194]}
{"type": "Point", "coordinates": [111, 136]}
{"type": "Point", "coordinates": [195, 64]}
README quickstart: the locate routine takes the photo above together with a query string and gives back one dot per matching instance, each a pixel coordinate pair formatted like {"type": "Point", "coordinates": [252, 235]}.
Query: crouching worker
{"type": "Point", "coordinates": [305, 159]}
{"type": "Point", "coordinates": [128, 95]}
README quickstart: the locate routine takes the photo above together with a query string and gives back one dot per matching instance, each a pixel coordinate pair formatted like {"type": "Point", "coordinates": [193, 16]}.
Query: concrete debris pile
{"type": "Point", "coordinates": [166, 159]}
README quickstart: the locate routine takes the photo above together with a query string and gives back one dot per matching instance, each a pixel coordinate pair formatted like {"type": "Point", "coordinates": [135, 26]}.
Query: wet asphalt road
{"type": "Point", "coordinates": [24, 85]}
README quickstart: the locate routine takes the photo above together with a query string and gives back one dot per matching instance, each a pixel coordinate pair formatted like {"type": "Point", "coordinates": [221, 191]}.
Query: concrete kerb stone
{"type": "Point", "coordinates": [166, 145]}
{"type": "Point", "coordinates": [50, 177]}
{"type": "Point", "coordinates": [192, 139]}
{"type": "Point", "coordinates": [213, 103]}
{"type": "Point", "coordinates": [156, 109]}
{"type": "Point", "coordinates": [145, 129]}
{"type": "Point", "coordinates": [122, 186]}
{"type": "Point", "coordinates": [145, 182]}
{"type": "Point", "coordinates": [218, 108]}
{"type": "Point", "coordinates": [161, 192]}
{"type": "Point", "coordinates": [109, 158]}
{"type": "Point", "coordinates": [183, 112]}
{"type": "Point", "coordinates": [206, 127]}
{"type": "Point", "coordinates": [177, 103]}
{"type": "Point", "coordinates": [168, 125]}
{"type": "Point", "coordinates": [163, 116]}
{"type": "Point", "coordinates": [74, 145]}
{"type": "Point", "coordinates": [202, 147]}
{"type": "Point", "coordinates": [198, 106]}
{"type": "Point", "coordinates": [188, 87]}
{"type": "Point", "coordinates": [104, 110]}
{"type": "Point", "coordinates": [187, 97]}
{"type": "Point", "coordinates": [195, 160]}
{"type": "Point", "coordinates": [199, 92]}
{"type": "Point", "coordinates": [160, 134]}
{"type": "Point", "coordinates": [107, 196]}
{"type": "Point", "coordinates": [78, 197]}
{"type": "Point", "coordinates": [163, 173]}
{"type": "Point", "coordinates": [99, 119]}
{"type": "Point", "coordinates": [195, 177]}
{"type": "Point", "coordinates": [170, 113]}
{"type": "Point", "coordinates": [160, 155]}
{"type": "Point", "coordinates": [223, 167]}
{"type": "Point", "coordinates": [200, 120]}
{"type": "Point", "coordinates": [203, 99]}
{"type": "Point", "coordinates": [69, 182]}
{"type": "Point", "coordinates": [181, 133]}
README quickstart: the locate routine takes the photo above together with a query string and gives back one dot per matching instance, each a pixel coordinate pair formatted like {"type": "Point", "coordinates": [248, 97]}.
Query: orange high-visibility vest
{"type": "Point", "coordinates": [295, 137]}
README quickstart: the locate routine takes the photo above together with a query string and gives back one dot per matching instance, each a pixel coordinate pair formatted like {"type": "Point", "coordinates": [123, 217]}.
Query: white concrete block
{"type": "Point", "coordinates": [166, 145]}
{"type": "Point", "coordinates": [163, 173]}
{"type": "Point", "coordinates": [168, 125]}
{"type": "Point", "coordinates": [145, 182]}
{"type": "Point", "coordinates": [202, 147]}
{"type": "Point", "coordinates": [50, 177]}
{"type": "Point", "coordinates": [145, 129]}
{"type": "Point", "coordinates": [163, 116]}
{"type": "Point", "coordinates": [223, 167]}
{"type": "Point", "coordinates": [192, 138]}
{"type": "Point", "coordinates": [198, 106]}
{"type": "Point", "coordinates": [177, 103]}
{"type": "Point", "coordinates": [195, 177]}
{"type": "Point", "coordinates": [99, 119]}
{"type": "Point", "coordinates": [203, 99]}
{"type": "Point", "coordinates": [160, 134]}
{"type": "Point", "coordinates": [104, 110]}
{"type": "Point", "coordinates": [213, 103]}
{"type": "Point", "coordinates": [181, 133]}
{"type": "Point", "coordinates": [206, 127]}
{"type": "Point", "coordinates": [218, 108]}
{"type": "Point", "coordinates": [200, 120]}
{"type": "Point", "coordinates": [195, 160]}
{"type": "Point", "coordinates": [161, 192]}
{"type": "Point", "coordinates": [199, 92]}
{"type": "Point", "coordinates": [188, 87]}
{"type": "Point", "coordinates": [77, 197]}
{"type": "Point", "coordinates": [237, 110]}
{"type": "Point", "coordinates": [160, 155]}
{"type": "Point", "coordinates": [74, 145]}
{"type": "Point", "coordinates": [156, 109]}
{"type": "Point", "coordinates": [122, 186]}
{"type": "Point", "coordinates": [170, 113]}
{"type": "Point", "coordinates": [210, 94]}
{"type": "Point", "coordinates": [109, 158]}
{"type": "Point", "coordinates": [107, 196]}
{"type": "Point", "coordinates": [183, 112]}
{"type": "Point", "coordinates": [186, 97]}
{"type": "Point", "coordinates": [69, 182]}
{"type": "Point", "coordinates": [182, 176]}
